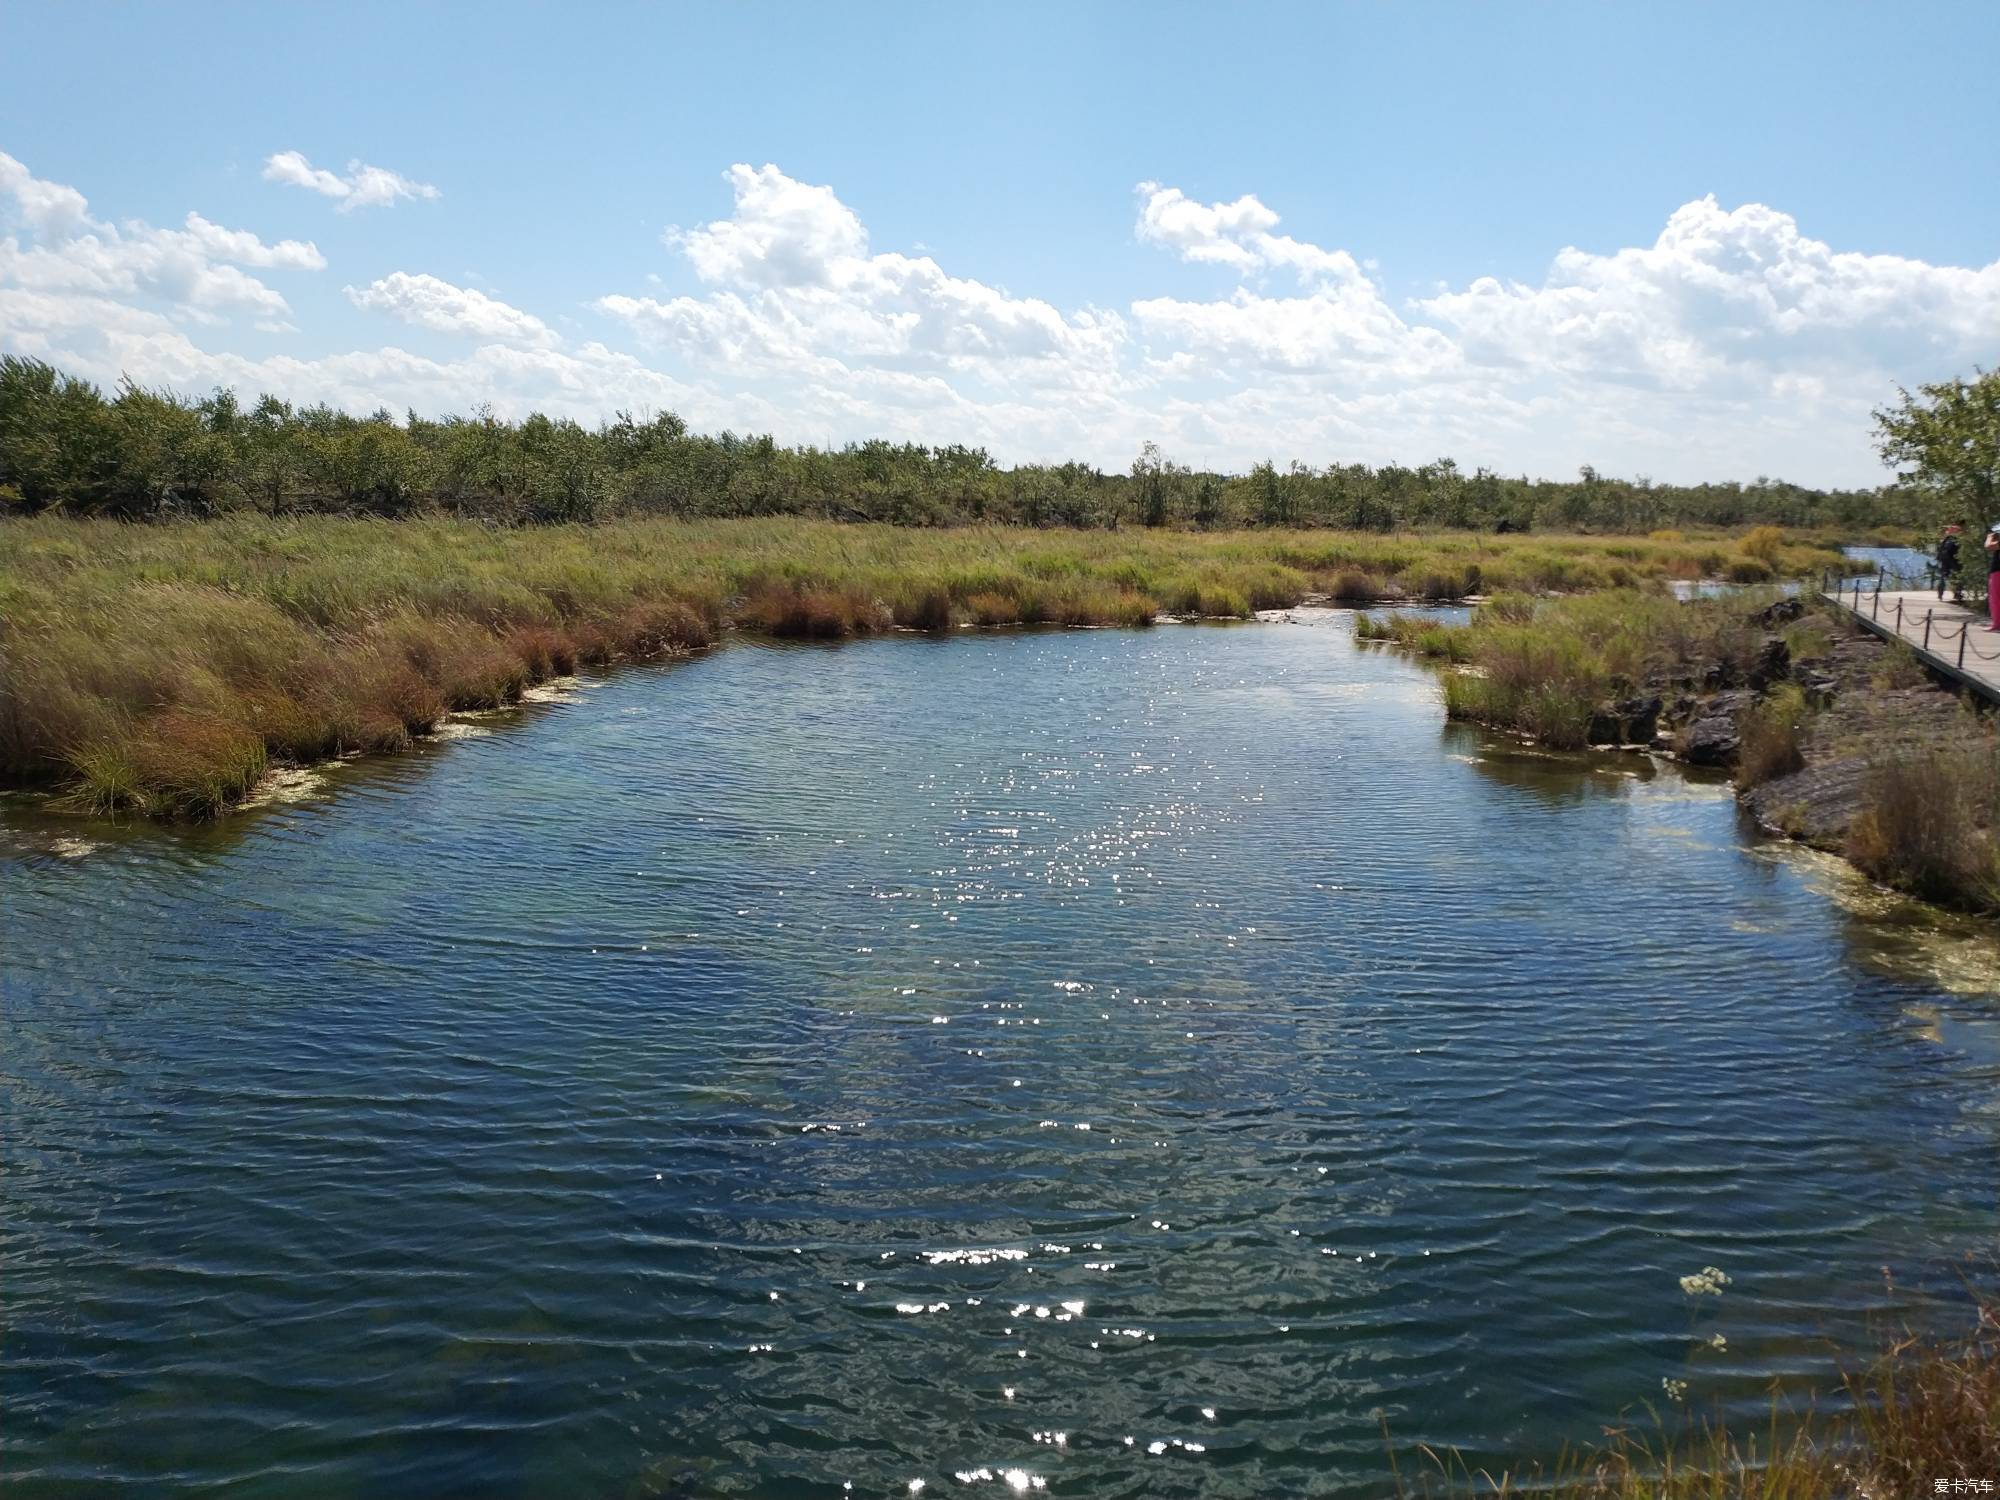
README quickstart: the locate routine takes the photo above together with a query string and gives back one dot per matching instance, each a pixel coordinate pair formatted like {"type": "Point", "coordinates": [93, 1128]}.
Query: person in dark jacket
{"type": "Point", "coordinates": [1947, 560]}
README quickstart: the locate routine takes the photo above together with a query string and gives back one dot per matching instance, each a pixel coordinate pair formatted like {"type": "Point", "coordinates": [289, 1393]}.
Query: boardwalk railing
{"type": "Point", "coordinates": [1941, 637]}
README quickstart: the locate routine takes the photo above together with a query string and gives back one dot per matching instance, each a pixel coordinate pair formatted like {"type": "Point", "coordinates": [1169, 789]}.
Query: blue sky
{"type": "Point", "coordinates": [1053, 230]}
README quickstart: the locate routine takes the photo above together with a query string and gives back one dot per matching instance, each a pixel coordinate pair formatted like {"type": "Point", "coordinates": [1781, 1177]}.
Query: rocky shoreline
{"type": "Point", "coordinates": [1865, 696]}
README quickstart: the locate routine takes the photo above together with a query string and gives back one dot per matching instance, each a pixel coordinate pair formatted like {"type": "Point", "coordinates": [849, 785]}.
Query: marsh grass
{"type": "Point", "coordinates": [139, 664]}
{"type": "Point", "coordinates": [1773, 736]}
{"type": "Point", "coordinates": [1543, 667]}
{"type": "Point", "coordinates": [1426, 637]}
{"type": "Point", "coordinates": [1927, 822]}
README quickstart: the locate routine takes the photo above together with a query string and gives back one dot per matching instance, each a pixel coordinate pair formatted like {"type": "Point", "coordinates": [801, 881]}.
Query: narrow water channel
{"type": "Point", "coordinates": [1119, 1064]}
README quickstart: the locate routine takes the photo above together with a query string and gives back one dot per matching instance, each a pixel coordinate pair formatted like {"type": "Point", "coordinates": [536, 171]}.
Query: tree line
{"type": "Point", "coordinates": [141, 453]}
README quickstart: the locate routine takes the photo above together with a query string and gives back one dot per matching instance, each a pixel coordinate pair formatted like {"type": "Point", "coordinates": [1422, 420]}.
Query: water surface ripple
{"type": "Point", "coordinates": [1114, 1064]}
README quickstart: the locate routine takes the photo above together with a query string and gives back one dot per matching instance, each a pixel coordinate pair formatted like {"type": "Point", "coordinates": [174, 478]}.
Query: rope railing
{"type": "Point", "coordinates": [1848, 594]}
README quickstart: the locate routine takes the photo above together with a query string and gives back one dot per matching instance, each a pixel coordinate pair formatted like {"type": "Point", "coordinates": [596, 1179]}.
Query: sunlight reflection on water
{"type": "Point", "coordinates": [1116, 1063]}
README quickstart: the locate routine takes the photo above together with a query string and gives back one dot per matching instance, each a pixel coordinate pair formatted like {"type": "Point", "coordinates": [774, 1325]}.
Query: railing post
{"type": "Point", "coordinates": [1962, 628]}
{"type": "Point", "coordinates": [1927, 628]}
{"type": "Point", "coordinates": [1899, 617]}
{"type": "Point", "coordinates": [1875, 608]}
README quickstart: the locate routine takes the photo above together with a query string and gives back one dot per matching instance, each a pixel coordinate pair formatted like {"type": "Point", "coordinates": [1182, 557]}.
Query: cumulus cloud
{"type": "Point", "coordinates": [431, 303]}
{"type": "Point", "coordinates": [1733, 325]}
{"type": "Point", "coordinates": [363, 186]}
{"type": "Point", "coordinates": [794, 282]}
{"type": "Point", "coordinates": [1729, 300]}
{"type": "Point", "coordinates": [1236, 234]}
{"type": "Point", "coordinates": [1337, 324]}
{"type": "Point", "coordinates": [197, 267]}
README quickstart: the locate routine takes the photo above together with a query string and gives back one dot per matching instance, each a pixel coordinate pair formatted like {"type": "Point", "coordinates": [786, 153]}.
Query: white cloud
{"type": "Point", "coordinates": [1346, 330]}
{"type": "Point", "coordinates": [363, 186]}
{"type": "Point", "coordinates": [431, 303]}
{"type": "Point", "coordinates": [1730, 300]}
{"type": "Point", "coordinates": [197, 268]}
{"type": "Point", "coordinates": [784, 233]}
{"type": "Point", "coordinates": [794, 282]}
{"type": "Point", "coordinates": [1236, 234]}
{"type": "Point", "coordinates": [1732, 345]}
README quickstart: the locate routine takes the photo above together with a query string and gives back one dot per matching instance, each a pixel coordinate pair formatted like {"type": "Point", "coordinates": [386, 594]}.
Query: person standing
{"type": "Point", "coordinates": [1993, 577]}
{"type": "Point", "coordinates": [1947, 561]}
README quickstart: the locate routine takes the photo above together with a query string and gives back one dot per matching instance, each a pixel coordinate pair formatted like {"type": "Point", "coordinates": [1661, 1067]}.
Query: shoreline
{"type": "Point", "coordinates": [1834, 738]}
{"type": "Point", "coordinates": [161, 669]}
{"type": "Point", "coordinates": [277, 783]}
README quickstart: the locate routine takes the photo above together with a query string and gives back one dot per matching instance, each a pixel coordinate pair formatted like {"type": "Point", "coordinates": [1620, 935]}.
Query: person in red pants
{"type": "Point", "coordinates": [1993, 577]}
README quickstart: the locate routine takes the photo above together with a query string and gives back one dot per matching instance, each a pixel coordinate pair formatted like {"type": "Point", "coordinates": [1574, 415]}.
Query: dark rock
{"type": "Point", "coordinates": [1712, 741]}
{"type": "Point", "coordinates": [1714, 736]}
{"type": "Point", "coordinates": [1627, 722]}
{"type": "Point", "coordinates": [1773, 664]}
{"type": "Point", "coordinates": [1782, 613]}
{"type": "Point", "coordinates": [1641, 716]}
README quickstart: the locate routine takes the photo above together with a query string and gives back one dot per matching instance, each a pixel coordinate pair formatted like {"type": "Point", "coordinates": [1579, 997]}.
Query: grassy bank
{"type": "Point", "coordinates": [1843, 741]}
{"type": "Point", "coordinates": [1924, 1411]}
{"type": "Point", "coordinates": [161, 668]}
{"type": "Point", "coordinates": [1546, 667]}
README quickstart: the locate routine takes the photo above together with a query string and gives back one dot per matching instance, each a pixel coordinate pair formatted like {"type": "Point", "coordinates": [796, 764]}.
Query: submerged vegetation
{"type": "Point", "coordinates": [1924, 1414]}
{"type": "Point", "coordinates": [148, 453]}
{"type": "Point", "coordinates": [160, 667]}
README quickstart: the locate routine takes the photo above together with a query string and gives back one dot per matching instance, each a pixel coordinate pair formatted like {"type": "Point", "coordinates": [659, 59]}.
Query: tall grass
{"type": "Point", "coordinates": [1544, 667]}
{"type": "Point", "coordinates": [147, 667]}
{"type": "Point", "coordinates": [1927, 823]}
{"type": "Point", "coordinates": [1773, 737]}
{"type": "Point", "coordinates": [1426, 637]}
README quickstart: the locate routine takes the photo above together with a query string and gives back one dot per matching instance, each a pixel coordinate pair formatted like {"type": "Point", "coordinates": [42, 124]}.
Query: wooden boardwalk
{"type": "Point", "coordinates": [1947, 637]}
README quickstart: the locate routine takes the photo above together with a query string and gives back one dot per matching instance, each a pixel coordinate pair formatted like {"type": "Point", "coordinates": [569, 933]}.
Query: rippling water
{"type": "Point", "coordinates": [1117, 1062]}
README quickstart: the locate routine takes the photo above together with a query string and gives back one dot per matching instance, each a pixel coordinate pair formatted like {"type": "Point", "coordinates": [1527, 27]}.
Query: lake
{"type": "Point", "coordinates": [1113, 1063]}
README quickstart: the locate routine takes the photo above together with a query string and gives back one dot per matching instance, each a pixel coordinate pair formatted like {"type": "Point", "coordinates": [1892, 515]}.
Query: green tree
{"type": "Point", "coordinates": [1149, 472]}
{"type": "Point", "coordinates": [56, 441]}
{"type": "Point", "coordinates": [1944, 443]}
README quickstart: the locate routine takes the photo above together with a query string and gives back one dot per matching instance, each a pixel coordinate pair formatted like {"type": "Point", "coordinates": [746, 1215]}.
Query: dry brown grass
{"type": "Point", "coordinates": [322, 636]}
{"type": "Point", "coordinates": [1926, 824]}
{"type": "Point", "coordinates": [1773, 737]}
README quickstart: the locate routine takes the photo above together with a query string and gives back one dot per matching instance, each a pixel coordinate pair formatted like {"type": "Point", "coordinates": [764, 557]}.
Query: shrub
{"type": "Point", "coordinates": [1809, 639]}
{"type": "Point", "coordinates": [992, 609]}
{"type": "Point", "coordinates": [786, 609]}
{"type": "Point", "coordinates": [1217, 600]}
{"type": "Point", "coordinates": [1438, 587]}
{"type": "Point", "coordinates": [1772, 737]}
{"type": "Point", "coordinates": [193, 765]}
{"type": "Point", "coordinates": [1898, 667]}
{"type": "Point", "coordinates": [1762, 543]}
{"type": "Point", "coordinates": [924, 608]}
{"type": "Point", "coordinates": [1352, 586]}
{"type": "Point", "coordinates": [1924, 826]}
{"type": "Point", "coordinates": [1374, 628]}
{"type": "Point", "coordinates": [660, 626]}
